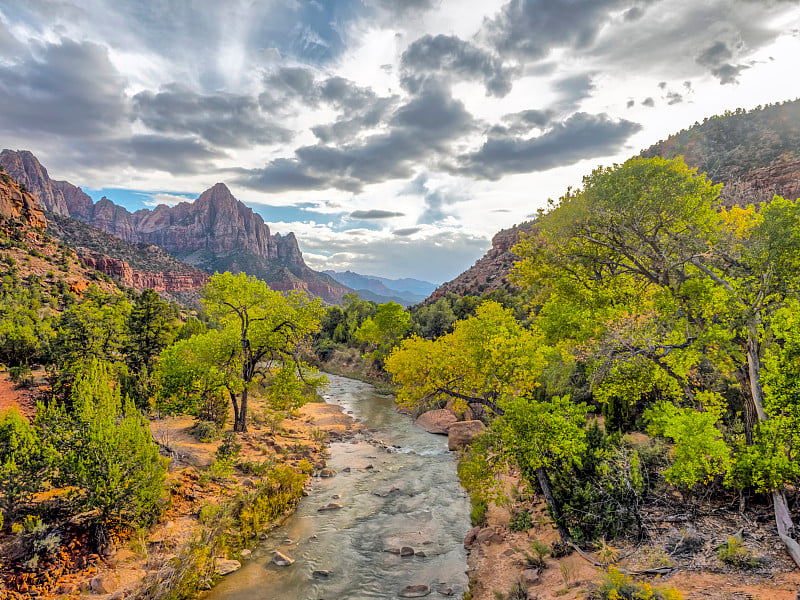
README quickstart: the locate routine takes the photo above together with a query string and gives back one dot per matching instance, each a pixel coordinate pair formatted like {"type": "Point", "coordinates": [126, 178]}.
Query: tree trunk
{"type": "Point", "coordinates": [235, 409]}
{"type": "Point", "coordinates": [241, 422]}
{"type": "Point", "coordinates": [783, 518]}
{"type": "Point", "coordinates": [547, 491]}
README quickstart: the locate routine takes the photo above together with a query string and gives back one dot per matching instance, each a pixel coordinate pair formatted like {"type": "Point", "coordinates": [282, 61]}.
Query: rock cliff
{"type": "Point", "coordinates": [18, 204]}
{"type": "Point", "coordinates": [216, 232]}
{"type": "Point", "coordinates": [489, 272]}
{"type": "Point", "coordinates": [121, 271]}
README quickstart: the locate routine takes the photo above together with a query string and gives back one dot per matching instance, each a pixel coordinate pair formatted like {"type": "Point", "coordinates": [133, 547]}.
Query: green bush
{"type": "Point", "coordinates": [25, 462]}
{"type": "Point", "coordinates": [478, 513]}
{"type": "Point", "coordinates": [521, 521]}
{"type": "Point", "coordinates": [206, 431]}
{"type": "Point", "coordinates": [736, 554]}
{"type": "Point", "coordinates": [107, 453]}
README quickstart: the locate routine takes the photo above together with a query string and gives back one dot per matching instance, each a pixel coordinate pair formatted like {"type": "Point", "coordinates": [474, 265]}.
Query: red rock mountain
{"type": "Point", "coordinates": [216, 232]}
{"type": "Point", "coordinates": [16, 203]}
{"type": "Point", "coordinates": [490, 272]}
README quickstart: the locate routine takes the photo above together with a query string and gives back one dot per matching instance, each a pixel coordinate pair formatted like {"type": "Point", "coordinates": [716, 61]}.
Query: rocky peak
{"type": "Point", "coordinates": [59, 197]}
{"type": "Point", "coordinates": [18, 204]}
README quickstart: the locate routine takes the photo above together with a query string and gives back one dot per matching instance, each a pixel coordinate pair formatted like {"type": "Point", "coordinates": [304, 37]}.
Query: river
{"type": "Point", "coordinates": [407, 497]}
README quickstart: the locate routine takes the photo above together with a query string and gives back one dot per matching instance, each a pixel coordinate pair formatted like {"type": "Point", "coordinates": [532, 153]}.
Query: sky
{"type": "Point", "coordinates": [395, 138]}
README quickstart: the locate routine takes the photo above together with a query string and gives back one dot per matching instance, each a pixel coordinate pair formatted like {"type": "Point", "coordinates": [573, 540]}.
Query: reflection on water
{"type": "Point", "coordinates": [410, 498]}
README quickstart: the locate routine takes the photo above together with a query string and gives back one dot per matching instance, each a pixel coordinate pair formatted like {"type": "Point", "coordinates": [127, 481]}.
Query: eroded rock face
{"type": "Point", "coordinates": [121, 271]}
{"type": "Point", "coordinates": [16, 204]}
{"type": "Point", "coordinates": [462, 433]}
{"type": "Point", "coordinates": [490, 272]}
{"type": "Point", "coordinates": [781, 178]}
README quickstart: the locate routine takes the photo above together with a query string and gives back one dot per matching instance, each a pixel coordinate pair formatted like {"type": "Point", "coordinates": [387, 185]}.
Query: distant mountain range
{"type": "Point", "coordinates": [404, 291]}
{"type": "Point", "coordinates": [216, 232]}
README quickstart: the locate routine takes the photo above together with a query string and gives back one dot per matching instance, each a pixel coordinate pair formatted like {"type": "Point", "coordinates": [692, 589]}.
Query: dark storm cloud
{"type": "Point", "coordinates": [581, 136]}
{"type": "Point", "coordinates": [674, 98]}
{"type": "Point", "coordinates": [572, 90]}
{"type": "Point", "coordinates": [423, 127]}
{"type": "Point", "coordinates": [530, 29]}
{"type": "Point", "coordinates": [522, 122]}
{"type": "Point", "coordinates": [66, 88]}
{"type": "Point", "coordinates": [375, 214]}
{"type": "Point", "coordinates": [221, 119]}
{"type": "Point", "coordinates": [173, 155]}
{"type": "Point", "coordinates": [718, 57]}
{"type": "Point", "coordinates": [447, 56]}
{"type": "Point", "coordinates": [406, 231]}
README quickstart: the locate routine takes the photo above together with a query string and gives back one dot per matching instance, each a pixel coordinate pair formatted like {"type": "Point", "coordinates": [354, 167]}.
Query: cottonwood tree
{"type": "Point", "coordinates": [258, 340]}
{"type": "Point", "coordinates": [653, 281]}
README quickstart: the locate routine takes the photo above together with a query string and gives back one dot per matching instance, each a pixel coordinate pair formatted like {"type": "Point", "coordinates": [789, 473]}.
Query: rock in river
{"type": "Point", "coordinates": [224, 566]}
{"type": "Point", "coordinates": [281, 559]}
{"type": "Point", "coordinates": [415, 591]}
{"type": "Point", "coordinates": [437, 421]}
{"type": "Point", "coordinates": [330, 506]}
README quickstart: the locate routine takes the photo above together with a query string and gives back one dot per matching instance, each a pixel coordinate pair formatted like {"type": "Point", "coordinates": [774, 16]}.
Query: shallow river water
{"type": "Point", "coordinates": [408, 497]}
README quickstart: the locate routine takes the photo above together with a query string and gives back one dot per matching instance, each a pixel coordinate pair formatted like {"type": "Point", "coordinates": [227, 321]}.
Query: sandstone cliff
{"type": "Point", "coordinates": [216, 232]}
{"type": "Point", "coordinates": [490, 272]}
{"type": "Point", "coordinates": [18, 204]}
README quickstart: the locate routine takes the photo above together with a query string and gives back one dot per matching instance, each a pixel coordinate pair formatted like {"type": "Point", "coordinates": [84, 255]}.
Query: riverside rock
{"type": "Point", "coordinates": [415, 591]}
{"type": "Point", "coordinates": [437, 421]}
{"type": "Point", "coordinates": [224, 566]}
{"type": "Point", "coordinates": [281, 559]}
{"type": "Point", "coordinates": [462, 433]}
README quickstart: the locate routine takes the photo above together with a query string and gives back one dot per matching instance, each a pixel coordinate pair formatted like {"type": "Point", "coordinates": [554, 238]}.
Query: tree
{"type": "Point", "coordinates": [151, 324]}
{"type": "Point", "coordinates": [384, 330]}
{"type": "Point", "coordinates": [655, 282]}
{"type": "Point", "coordinates": [106, 451]}
{"type": "Point", "coordinates": [489, 359]}
{"type": "Point", "coordinates": [25, 462]}
{"type": "Point", "coordinates": [259, 337]}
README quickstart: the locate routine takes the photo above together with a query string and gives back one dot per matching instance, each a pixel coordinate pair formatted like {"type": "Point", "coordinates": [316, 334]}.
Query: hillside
{"type": "Point", "coordinates": [216, 232]}
{"type": "Point", "coordinates": [755, 154]}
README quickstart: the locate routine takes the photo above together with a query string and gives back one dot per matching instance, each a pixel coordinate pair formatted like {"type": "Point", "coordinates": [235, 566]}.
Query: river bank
{"type": "Point", "coordinates": [213, 513]}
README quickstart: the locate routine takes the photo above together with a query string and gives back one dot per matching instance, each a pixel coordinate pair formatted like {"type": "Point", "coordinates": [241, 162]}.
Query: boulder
{"type": "Point", "coordinates": [326, 472]}
{"type": "Point", "coordinates": [487, 535]}
{"type": "Point", "coordinates": [406, 551]}
{"type": "Point", "coordinates": [104, 583]}
{"type": "Point", "coordinates": [415, 591]}
{"type": "Point", "coordinates": [437, 421]}
{"type": "Point", "coordinates": [224, 566]}
{"type": "Point", "coordinates": [463, 415]}
{"type": "Point", "coordinates": [469, 539]}
{"type": "Point", "coordinates": [462, 433]}
{"type": "Point", "coordinates": [330, 506]}
{"type": "Point", "coordinates": [529, 577]}
{"type": "Point", "coordinates": [281, 559]}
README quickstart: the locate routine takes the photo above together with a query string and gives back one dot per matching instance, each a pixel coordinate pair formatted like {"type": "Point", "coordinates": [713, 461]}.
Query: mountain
{"type": "Point", "coordinates": [29, 253]}
{"type": "Point", "coordinates": [405, 291]}
{"type": "Point", "coordinates": [216, 232]}
{"type": "Point", "coordinates": [489, 272]}
{"type": "Point", "coordinates": [755, 154]}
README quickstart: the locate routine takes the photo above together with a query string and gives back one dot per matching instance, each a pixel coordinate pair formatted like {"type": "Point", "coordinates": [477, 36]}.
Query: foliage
{"type": "Point", "coordinates": [477, 514]}
{"type": "Point", "coordinates": [107, 454]}
{"type": "Point", "coordinates": [521, 521]}
{"type": "Point", "coordinates": [618, 586]}
{"type": "Point", "coordinates": [25, 462]}
{"type": "Point", "coordinates": [736, 554]}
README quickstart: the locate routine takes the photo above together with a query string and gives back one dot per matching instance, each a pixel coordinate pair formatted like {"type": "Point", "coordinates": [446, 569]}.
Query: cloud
{"type": "Point", "coordinates": [674, 98]}
{"type": "Point", "coordinates": [449, 57]}
{"type": "Point", "coordinates": [185, 155]}
{"type": "Point", "coordinates": [579, 137]}
{"type": "Point", "coordinates": [222, 119]}
{"type": "Point", "coordinates": [421, 128]}
{"type": "Point", "coordinates": [406, 231]}
{"type": "Point", "coordinates": [375, 214]}
{"type": "Point", "coordinates": [649, 102]}
{"type": "Point", "coordinates": [530, 29]}
{"type": "Point", "coordinates": [66, 88]}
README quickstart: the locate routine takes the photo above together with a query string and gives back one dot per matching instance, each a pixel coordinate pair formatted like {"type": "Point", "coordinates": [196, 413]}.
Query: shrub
{"type": "Point", "coordinates": [736, 554]}
{"type": "Point", "coordinates": [478, 513]}
{"type": "Point", "coordinates": [618, 586]}
{"type": "Point", "coordinates": [25, 462]}
{"type": "Point", "coordinates": [521, 521]}
{"type": "Point", "coordinates": [229, 448]}
{"type": "Point", "coordinates": [107, 451]}
{"type": "Point", "coordinates": [206, 431]}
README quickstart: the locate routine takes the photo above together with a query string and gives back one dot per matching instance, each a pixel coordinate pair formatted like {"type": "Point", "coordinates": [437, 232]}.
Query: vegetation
{"type": "Point", "coordinates": [653, 305]}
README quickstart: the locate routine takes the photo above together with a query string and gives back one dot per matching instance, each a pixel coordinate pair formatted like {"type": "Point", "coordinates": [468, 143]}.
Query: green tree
{"type": "Point", "coordinates": [384, 330]}
{"type": "Point", "coordinates": [259, 338]}
{"type": "Point", "coordinates": [25, 462]}
{"type": "Point", "coordinates": [106, 451]}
